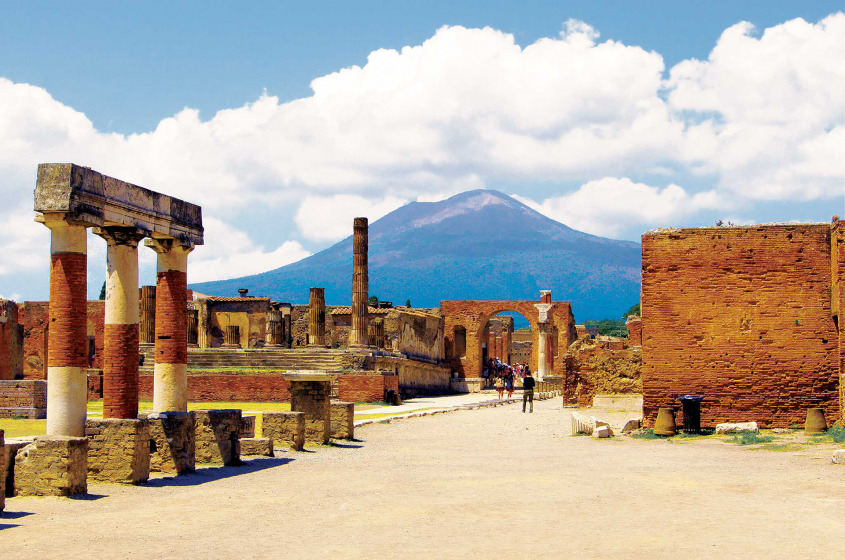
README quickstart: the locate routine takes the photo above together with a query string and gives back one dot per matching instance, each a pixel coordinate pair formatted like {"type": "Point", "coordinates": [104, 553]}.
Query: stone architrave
{"type": "Point", "coordinates": [147, 318]}
{"type": "Point", "coordinates": [170, 374]}
{"type": "Point", "coordinates": [359, 333]}
{"type": "Point", "coordinates": [120, 348]}
{"type": "Point", "coordinates": [317, 317]}
{"type": "Point", "coordinates": [67, 352]}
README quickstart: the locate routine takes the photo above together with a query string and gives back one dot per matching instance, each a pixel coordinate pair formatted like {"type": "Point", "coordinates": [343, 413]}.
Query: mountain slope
{"type": "Point", "coordinates": [475, 245]}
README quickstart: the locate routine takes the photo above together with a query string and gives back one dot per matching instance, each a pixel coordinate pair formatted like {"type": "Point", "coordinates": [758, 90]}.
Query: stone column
{"type": "Point", "coordinates": [67, 356]}
{"type": "Point", "coordinates": [193, 327]}
{"type": "Point", "coordinates": [543, 349]}
{"type": "Point", "coordinates": [317, 317]}
{"type": "Point", "coordinates": [170, 377]}
{"type": "Point", "coordinates": [377, 332]}
{"type": "Point", "coordinates": [232, 336]}
{"type": "Point", "coordinates": [120, 347]}
{"type": "Point", "coordinates": [358, 334]}
{"type": "Point", "coordinates": [148, 315]}
{"type": "Point", "coordinates": [202, 323]}
{"type": "Point", "coordinates": [288, 332]}
{"type": "Point", "coordinates": [275, 329]}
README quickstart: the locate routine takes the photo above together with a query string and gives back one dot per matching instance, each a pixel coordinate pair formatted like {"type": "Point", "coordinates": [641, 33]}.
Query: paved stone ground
{"type": "Point", "coordinates": [486, 483]}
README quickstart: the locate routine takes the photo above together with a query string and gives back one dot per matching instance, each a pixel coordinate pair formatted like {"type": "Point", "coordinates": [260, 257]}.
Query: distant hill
{"type": "Point", "coordinates": [479, 244]}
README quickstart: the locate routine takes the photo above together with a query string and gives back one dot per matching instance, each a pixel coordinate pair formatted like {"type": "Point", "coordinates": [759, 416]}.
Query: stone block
{"type": "Point", "coordinates": [313, 398]}
{"type": "Point", "coordinates": [343, 420]}
{"type": "Point", "coordinates": [736, 427]}
{"type": "Point", "coordinates": [118, 449]}
{"type": "Point", "coordinates": [632, 424]}
{"type": "Point", "coordinates": [602, 432]}
{"type": "Point", "coordinates": [257, 446]}
{"type": "Point", "coordinates": [247, 427]}
{"type": "Point", "coordinates": [217, 436]}
{"type": "Point", "coordinates": [839, 457]}
{"type": "Point", "coordinates": [12, 446]}
{"type": "Point", "coordinates": [52, 466]}
{"type": "Point", "coordinates": [286, 429]}
{"type": "Point", "coordinates": [23, 398]}
{"type": "Point", "coordinates": [172, 442]}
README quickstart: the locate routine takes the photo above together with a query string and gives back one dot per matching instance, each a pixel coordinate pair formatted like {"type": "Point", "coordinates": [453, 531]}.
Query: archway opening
{"type": "Point", "coordinates": [507, 343]}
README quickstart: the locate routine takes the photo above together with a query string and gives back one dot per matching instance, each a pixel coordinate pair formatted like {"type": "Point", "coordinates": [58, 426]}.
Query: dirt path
{"type": "Point", "coordinates": [488, 483]}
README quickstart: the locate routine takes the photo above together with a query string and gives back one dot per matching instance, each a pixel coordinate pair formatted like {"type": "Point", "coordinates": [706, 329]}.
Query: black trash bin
{"type": "Point", "coordinates": [692, 413]}
{"type": "Point", "coordinates": [390, 396]}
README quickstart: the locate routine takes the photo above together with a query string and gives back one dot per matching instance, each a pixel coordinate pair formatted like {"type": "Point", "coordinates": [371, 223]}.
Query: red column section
{"type": "Point", "coordinates": [171, 318]}
{"type": "Point", "coordinates": [67, 339]}
{"type": "Point", "coordinates": [120, 374]}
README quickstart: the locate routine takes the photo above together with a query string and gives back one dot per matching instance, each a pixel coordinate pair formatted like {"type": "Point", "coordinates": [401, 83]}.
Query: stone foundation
{"type": "Point", "coordinates": [286, 429]}
{"type": "Point", "coordinates": [118, 450]}
{"type": "Point", "coordinates": [343, 420]}
{"type": "Point", "coordinates": [467, 384]}
{"type": "Point", "coordinates": [26, 398]}
{"type": "Point", "coordinates": [52, 466]}
{"type": "Point", "coordinates": [247, 427]}
{"type": "Point", "coordinates": [12, 447]}
{"type": "Point", "coordinates": [172, 442]}
{"type": "Point", "coordinates": [217, 436]}
{"type": "Point", "coordinates": [313, 398]}
{"type": "Point", "coordinates": [257, 446]}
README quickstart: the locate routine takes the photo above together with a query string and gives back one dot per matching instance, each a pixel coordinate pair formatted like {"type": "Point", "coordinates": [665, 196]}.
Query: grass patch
{"type": "Point", "coordinates": [836, 434]}
{"type": "Point", "coordinates": [782, 447]}
{"type": "Point", "coordinates": [19, 427]}
{"type": "Point", "coordinates": [751, 438]}
{"type": "Point", "coordinates": [648, 435]}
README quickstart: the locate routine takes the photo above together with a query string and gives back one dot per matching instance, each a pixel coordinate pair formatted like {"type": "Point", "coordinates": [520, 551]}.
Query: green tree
{"type": "Point", "coordinates": [408, 303]}
{"type": "Point", "coordinates": [373, 301]}
{"type": "Point", "coordinates": [634, 310]}
{"type": "Point", "coordinates": [103, 291]}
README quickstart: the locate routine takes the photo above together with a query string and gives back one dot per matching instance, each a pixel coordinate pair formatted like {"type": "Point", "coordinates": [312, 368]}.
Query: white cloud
{"type": "Point", "coordinates": [610, 205]}
{"type": "Point", "coordinates": [230, 253]}
{"type": "Point", "coordinates": [24, 244]}
{"type": "Point", "coordinates": [329, 218]}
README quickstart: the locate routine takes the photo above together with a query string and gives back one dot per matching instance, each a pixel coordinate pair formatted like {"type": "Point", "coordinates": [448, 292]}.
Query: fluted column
{"type": "Point", "coordinates": [120, 346]}
{"type": "Point", "coordinates": [377, 333]}
{"type": "Point", "coordinates": [317, 317]}
{"type": "Point", "coordinates": [275, 329]}
{"type": "Point", "coordinates": [67, 344]}
{"type": "Point", "coordinates": [147, 319]}
{"type": "Point", "coordinates": [232, 336]}
{"type": "Point", "coordinates": [170, 378]}
{"type": "Point", "coordinates": [542, 352]}
{"type": "Point", "coordinates": [358, 334]}
{"type": "Point", "coordinates": [287, 330]}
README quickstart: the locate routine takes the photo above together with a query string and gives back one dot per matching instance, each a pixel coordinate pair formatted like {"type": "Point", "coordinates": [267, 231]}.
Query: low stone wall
{"type": "Point", "coordinates": [257, 446]}
{"type": "Point", "coordinates": [366, 387]}
{"type": "Point", "coordinates": [172, 441]}
{"type": "Point", "coordinates": [95, 384]}
{"type": "Point", "coordinates": [343, 420]}
{"type": "Point", "coordinates": [417, 378]}
{"type": "Point", "coordinates": [12, 446]}
{"type": "Point", "coordinates": [27, 398]}
{"type": "Point", "coordinates": [217, 436]}
{"type": "Point", "coordinates": [231, 386]}
{"type": "Point", "coordinates": [52, 466]}
{"type": "Point", "coordinates": [286, 429]}
{"type": "Point", "coordinates": [118, 449]}
{"type": "Point", "coordinates": [467, 384]}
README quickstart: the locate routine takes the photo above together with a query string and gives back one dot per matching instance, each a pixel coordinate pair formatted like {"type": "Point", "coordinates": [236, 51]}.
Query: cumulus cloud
{"type": "Point", "coordinates": [609, 205]}
{"type": "Point", "coordinates": [329, 218]}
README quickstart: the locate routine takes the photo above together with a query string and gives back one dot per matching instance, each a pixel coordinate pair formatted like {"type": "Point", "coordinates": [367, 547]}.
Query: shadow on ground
{"type": "Point", "coordinates": [210, 474]}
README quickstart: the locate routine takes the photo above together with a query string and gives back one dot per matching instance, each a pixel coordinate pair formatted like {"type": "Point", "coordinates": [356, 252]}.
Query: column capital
{"type": "Point", "coordinates": [121, 235]}
{"type": "Point", "coordinates": [543, 309]}
{"type": "Point", "coordinates": [169, 244]}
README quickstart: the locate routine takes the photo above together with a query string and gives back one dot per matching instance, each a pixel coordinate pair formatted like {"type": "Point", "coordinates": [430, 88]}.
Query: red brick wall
{"type": "Point", "coordinates": [741, 315]}
{"type": "Point", "coordinates": [206, 388]}
{"type": "Point", "coordinates": [838, 297]}
{"type": "Point", "coordinates": [120, 374]}
{"type": "Point", "coordinates": [365, 388]}
{"type": "Point", "coordinates": [635, 331]}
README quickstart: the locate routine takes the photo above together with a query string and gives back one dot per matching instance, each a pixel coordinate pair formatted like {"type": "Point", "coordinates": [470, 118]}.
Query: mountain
{"type": "Point", "coordinates": [479, 244]}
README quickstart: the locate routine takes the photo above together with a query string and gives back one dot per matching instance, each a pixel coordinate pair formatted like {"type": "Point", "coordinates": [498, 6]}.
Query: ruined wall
{"type": "Point", "coordinates": [249, 314]}
{"type": "Point", "coordinates": [603, 365]}
{"type": "Point", "coordinates": [223, 387]}
{"type": "Point", "coordinates": [418, 335]}
{"type": "Point", "coordinates": [743, 316]}
{"type": "Point", "coordinates": [33, 315]}
{"type": "Point", "coordinates": [417, 378]}
{"type": "Point", "coordinates": [366, 388]}
{"type": "Point", "coordinates": [299, 325]}
{"type": "Point", "coordinates": [634, 324]}
{"type": "Point", "coordinates": [837, 273]}
{"type": "Point", "coordinates": [11, 341]}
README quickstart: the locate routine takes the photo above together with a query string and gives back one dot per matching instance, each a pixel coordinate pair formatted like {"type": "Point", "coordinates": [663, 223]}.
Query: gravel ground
{"type": "Point", "coordinates": [487, 483]}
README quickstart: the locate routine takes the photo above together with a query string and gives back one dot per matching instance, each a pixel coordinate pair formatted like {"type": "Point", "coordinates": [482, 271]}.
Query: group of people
{"type": "Point", "coordinates": [504, 377]}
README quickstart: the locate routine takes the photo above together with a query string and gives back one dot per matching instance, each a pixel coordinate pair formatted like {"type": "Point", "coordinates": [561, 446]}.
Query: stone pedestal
{"type": "Point", "coordinates": [311, 394]}
{"type": "Point", "coordinates": [172, 442]}
{"type": "Point", "coordinates": [286, 429]}
{"type": "Point", "coordinates": [257, 446]}
{"type": "Point", "coordinates": [232, 337]}
{"type": "Point", "coordinates": [52, 466]}
{"type": "Point", "coordinates": [12, 446]}
{"type": "Point", "coordinates": [218, 436]}
{"type": "Point", "coordinates": [343, 420]}
{"type": "Point", "coordinates": [118, 450]}
{"type": "Point", "coordinates": [247, 427]}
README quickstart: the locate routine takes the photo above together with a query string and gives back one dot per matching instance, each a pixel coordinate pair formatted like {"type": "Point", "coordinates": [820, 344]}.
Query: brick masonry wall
{"type": "Point", "coordinates": [23, 394]}
{"type": "Point", "coordinates": [741, 315]}
{"type": "Point", "coordinates": [635, 330]}
{"type": "Point", "coordinates": [206, 388]}
{"type": "Point", "coordinates": [366, 388]}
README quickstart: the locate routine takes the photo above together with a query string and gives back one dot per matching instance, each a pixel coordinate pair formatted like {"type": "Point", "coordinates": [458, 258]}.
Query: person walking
{"type": "Point", "coordinates": [500, 386]}
{"type": "Point", "coordinates": [509, 384]}
{"type": "Point", "coordinates": [528, 391]}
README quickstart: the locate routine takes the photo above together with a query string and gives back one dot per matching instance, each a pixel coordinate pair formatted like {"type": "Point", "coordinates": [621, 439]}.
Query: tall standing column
{"type": "Point", "coordinates": [358, 335]}
{"type": "Point", "coordinates": [317, 317]}
{"type": "Point", "coordinates": [543, 349]}
{"type": "Point", "coordinates": [67, 345]}
{"type": "Point", "coordinates": [170, 376]}
{"type": "Point", "coordinates": [120, 348]}
{"type": "Point", "coordinates": [147, 320]}
{"type": "Point", "coordinates": [275, 329]}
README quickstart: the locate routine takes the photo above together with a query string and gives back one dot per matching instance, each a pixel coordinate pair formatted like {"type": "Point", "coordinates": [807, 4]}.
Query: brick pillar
{"type": "Point", "coordinates": [67, 355]}
{"type": "Point", "coordinates": [275, 329]}
{"type": "Point", "coordinates": [545, 296]}
{"type": "Point", "coordinates": [358, 334]}
{"type": "Point", "coordinates": [506, 347]}
{"type": "Point", "coordinates": [317, 317]}
{"type": "Point", "coordinates": [147, 319]}
{"type": "Point", "coordinates": [120, 347]}
{"type": "Point", "coordinates": [170, 377]}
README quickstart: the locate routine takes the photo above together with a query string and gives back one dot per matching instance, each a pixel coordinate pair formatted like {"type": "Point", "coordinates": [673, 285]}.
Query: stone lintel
{"type": "Point", "coordinates": [96, 200]}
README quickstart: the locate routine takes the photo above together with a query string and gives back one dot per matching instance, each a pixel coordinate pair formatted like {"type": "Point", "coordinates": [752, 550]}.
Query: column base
{"type": "Point", "coordinates": [52, 466]}
{"type": "Point", "coordinates": [118, 450]}
{"type": "Point", "coordinates": [286, 429]}
{"type": "Point", "coordinates": [218, 436]}
{"type": "Point", "coordinates": [172, 442]}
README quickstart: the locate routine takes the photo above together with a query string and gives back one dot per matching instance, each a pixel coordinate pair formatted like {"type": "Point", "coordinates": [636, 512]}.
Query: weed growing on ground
{"type": "Point", "coordinates": [836, 434]}
{"type": "Point", "coordinates": [751, 438]}
{"type": "Point", "coordinates": [648, 434]}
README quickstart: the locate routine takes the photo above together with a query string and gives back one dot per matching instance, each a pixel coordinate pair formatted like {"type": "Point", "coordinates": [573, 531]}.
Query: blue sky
{"type": "Point", "coordinates": [613, 117]}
